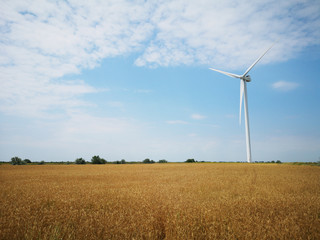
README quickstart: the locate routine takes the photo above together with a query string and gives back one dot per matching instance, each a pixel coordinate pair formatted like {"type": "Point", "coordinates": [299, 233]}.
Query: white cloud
{"type": "Point", "coordinates": [285, 86]}
{"type": "Point", "coordinates": [197, 116]}
{"type": "Point", "coordinates": [229, 34]}
{"type": "Point", "coordinates": [42, 41]}
{"type": "Point", "coordinates": [34, 97]}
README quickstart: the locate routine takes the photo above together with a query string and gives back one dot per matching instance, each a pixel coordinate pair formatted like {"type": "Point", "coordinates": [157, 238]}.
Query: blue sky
{"type": "Point", "coordinates": [130, 80]}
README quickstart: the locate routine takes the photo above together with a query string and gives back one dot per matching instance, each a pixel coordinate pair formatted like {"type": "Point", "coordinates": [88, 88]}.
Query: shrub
{"type": "Point", "coordinates": [278, 161]}
{"type": "Point", "coordinates": [98, 160]}
{"type": "Point", "coordinates": [120, 162]}
{"type": "Point", "coordinates": [80, 161]}
{"type": "Point", "coordinates": [17, 161]}
{"type": "Point", "coordinates": [103, 161]}
{"type": "Point", "coordinates": [163, 161]}
{"type": "Point", "coordinates": [190, 160]}
{"type": "Point", "coordinates": [27, 160]}
{"type": "Point", "coordinates": [147, 160]}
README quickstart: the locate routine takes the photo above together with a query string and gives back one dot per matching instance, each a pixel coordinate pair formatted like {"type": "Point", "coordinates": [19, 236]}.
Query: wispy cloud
{"type": "Point", "coordinates": [115, 104]}
{"type": "Point", "coordinates": [43, 42]}
{"type": "Point", "coordinates": [210, 32]}
{"type": "Point", "coordinates": [143, 91]}
{"type": "Point", "coordinates": [230, 116]}
{"type": "Point", "coordinates": [285, 86]}
{"type": "Point", "coordinates": [198, 116]}
{"type": "Point", "coordinates": [82, 124]}
{"type": "Point", "coordinates": [176, 122]}
{"type": "Point", "coordinates": [192, 135]}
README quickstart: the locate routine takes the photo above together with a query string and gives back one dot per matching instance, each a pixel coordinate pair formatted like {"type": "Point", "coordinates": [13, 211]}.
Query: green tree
{"type": "Point", "coordinates": [103, 161]}
{"type": "Point", "coordinates": [122, 161]}
{"type": "Point", "coordinates": [80, 161]}
{"type": "Point", "coordinates": [17, 161]}
{"type": "Point", "coordinates": [163, 161]}
{"type": "Point", "coordinates": [27, 160]}
{"type": "Point", "coordinates": [98, 160]}
{"type": "Point", "coordinates": [190, 160]}
{"type": "Point", "coordinates": [147, 160]}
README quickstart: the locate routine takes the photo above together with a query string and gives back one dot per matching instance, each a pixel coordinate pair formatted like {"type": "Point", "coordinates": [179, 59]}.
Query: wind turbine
{"type": "Point", "coordinates": [244, 78]}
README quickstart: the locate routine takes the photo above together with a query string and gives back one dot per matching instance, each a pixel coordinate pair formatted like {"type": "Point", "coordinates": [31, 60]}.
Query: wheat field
{"type": "Point", "coordinates": [160, 201]}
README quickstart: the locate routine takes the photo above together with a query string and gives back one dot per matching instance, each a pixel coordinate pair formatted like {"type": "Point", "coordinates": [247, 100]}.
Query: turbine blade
{"type": "Point", "coordinates": [226, 73]}
{"type": "Point", "coordinates": [246, 72]}
{"type": "Point", "coordinates": [241, 97]}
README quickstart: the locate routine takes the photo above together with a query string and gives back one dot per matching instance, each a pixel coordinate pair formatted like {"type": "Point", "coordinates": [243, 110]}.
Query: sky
{"type": "Point", "coordinates": [131, 80]}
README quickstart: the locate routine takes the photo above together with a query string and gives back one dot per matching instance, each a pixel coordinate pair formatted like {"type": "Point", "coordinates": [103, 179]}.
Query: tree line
{"type": "Point", "coordinates": [98, 160]}
{"type": "Point", "coordinates": [94, 160]}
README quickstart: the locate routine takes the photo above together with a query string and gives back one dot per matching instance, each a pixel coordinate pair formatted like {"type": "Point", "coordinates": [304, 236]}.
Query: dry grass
{"type": "Point", "coordinates": [160, 201]}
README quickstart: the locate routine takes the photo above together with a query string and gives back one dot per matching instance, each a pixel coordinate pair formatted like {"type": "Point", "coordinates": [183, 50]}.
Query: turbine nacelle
{"type": "Point", "coordinates": [247, 78]}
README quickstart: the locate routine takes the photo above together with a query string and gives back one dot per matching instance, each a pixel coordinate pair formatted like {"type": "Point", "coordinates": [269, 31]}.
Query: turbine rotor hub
{"type": "Point", "coordinates": [247, 78]}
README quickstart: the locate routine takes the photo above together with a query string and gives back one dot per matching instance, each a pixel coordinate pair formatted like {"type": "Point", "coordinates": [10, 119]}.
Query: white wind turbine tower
{"type": "Point", "coordinates": [244, 78]}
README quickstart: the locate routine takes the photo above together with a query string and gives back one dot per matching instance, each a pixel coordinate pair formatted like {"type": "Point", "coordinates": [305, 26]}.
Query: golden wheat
{"type": "Point", "coordinates": [160, 201]}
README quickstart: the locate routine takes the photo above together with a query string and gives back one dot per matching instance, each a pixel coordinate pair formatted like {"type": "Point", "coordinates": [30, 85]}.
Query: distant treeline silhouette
{"type": "Point", "coordinates": [99, 160]}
